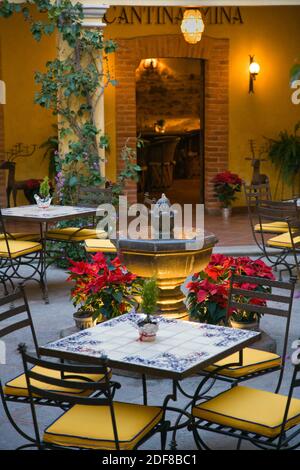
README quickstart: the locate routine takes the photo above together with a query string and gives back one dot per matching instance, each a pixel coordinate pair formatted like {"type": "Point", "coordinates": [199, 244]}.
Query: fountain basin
{"type": "Point", "coordinates": [170, 261]}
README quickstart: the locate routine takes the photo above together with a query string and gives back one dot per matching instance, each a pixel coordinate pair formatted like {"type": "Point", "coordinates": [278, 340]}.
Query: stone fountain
{"type": "Point", "coordinates": [169, 260]}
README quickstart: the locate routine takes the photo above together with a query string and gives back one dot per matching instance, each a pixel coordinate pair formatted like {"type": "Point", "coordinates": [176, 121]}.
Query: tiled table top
{"type": "Point", "coordinates": [33, 213]}
{"type": "Point", "coordinates": [180, 348]}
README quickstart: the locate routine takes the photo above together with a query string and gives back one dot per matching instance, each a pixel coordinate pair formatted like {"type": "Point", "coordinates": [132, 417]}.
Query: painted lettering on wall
{"type": "Point", "coordinates": [170, 15]}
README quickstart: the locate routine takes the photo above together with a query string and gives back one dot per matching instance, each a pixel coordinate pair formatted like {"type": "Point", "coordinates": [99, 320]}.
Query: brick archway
{"type": "Point", "coordinates": [216, 54]}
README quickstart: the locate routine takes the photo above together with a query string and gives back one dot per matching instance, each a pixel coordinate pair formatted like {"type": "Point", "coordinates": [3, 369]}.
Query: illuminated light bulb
{"type": "Point", "coordinates": [192, 26]}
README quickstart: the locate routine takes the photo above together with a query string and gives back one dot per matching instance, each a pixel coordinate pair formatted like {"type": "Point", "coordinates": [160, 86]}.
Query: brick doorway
{"type": "Point", "coordinates": [215, 52]}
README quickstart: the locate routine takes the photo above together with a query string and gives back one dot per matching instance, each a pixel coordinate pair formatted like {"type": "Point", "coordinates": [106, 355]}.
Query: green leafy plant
{"type": "Point", "coordinates": [44, 190]}
{"type": "Point", "coordinates": [72, 86]}
{"type": "Point", "coordinates": [295, 73]}
{"type": "Point", "coordinates": [284, 153]}
{"type": "Point", "coordinates": [149, 298]}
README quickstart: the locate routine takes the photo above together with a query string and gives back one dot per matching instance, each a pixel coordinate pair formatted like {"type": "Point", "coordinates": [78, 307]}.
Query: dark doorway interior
{"type": "Point", "coordinates": [170, 120]}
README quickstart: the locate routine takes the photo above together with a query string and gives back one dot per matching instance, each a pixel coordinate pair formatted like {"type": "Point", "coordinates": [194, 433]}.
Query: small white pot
{"type": "Point", "coordinates": [226, 212]}
{"type": "Point", "coordinates": [43, 203]}
{"type": "Point", "coordinates": [148, 331]}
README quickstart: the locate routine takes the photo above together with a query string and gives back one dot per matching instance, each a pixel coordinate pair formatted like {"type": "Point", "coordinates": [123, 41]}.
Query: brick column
{"type": "Point", "coordinates": [216, 118]}
{"type": "Point", "coordinates": [125, 66]}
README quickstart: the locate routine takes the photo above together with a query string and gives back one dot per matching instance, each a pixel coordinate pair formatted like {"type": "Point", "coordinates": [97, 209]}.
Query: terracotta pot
{"type": "Point", "coordinates": [254, 326]}
{"type": "Point", "coordinates": [226, 212]}
{"type": "Point", "coordinates": [83, 321]}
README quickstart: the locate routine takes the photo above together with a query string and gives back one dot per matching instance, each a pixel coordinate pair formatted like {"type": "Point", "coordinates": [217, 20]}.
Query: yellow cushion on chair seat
{"type": "Point", "coordinates": [18, 386]}
{"type": "Point", "coordinates": [283, 241]}
{"type": "Point", "coordinates": [18, 248]}
{"type": "Point", "coordinates": [272, 227]}
{"type": "Point", "coordinates": [21, 236]}
{"type": "Point", "coordinates": [90, 427]}
{"type": "Point", "coordinates": [95, 245]}
{"type": "Point", "coordinates": [249, 410]}
{"type": "Point", "coordinates": [254, 360]}
{"type": "Point", "coordinates": [75, 234]}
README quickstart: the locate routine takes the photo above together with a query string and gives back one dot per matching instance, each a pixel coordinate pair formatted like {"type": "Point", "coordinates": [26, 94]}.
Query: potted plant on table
{"type": "Point", "coordinates": [103, 289]}
{"type": "Point", "coordinates": [208, 291]}
{"type": "Point", "coordinates": [226, 185]}
{"type": "Point", "coordinates": [43, 199]}
{"type": "Point", "coordinates": [148, 327]}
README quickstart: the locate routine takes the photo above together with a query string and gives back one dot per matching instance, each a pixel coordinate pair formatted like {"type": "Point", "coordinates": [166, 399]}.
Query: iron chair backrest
{"type": "Point", "coordinates": [288, 212]}
{"type": "Point", "coordinates": [295, 383]}
{"type": "Point", "coordinates": [13, 315]}
{"type": "Point", "coordinates": [254, 193]}
{"type": "Point", "coordinates": [277, 211]}
{"type": "Point", "coordinates": [239, 299]}
{"type": "Point", "coordinates": [67, 372]}
{"type": "Point", "coordinates": [94, 196]}
{"type": "Point", "coordinates": [162, 150]}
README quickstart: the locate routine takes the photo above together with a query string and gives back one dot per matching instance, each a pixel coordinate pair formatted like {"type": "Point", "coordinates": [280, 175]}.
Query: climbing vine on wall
{"type": "Point", "coordinates": [71, 87]}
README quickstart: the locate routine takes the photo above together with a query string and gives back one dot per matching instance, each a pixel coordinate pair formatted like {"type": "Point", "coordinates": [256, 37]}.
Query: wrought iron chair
{"type": "Point", "coordinates": [16, 390]}
{"type": "Point", "coordinates": [87, 197]}
{"type": "Point", "coordinates": [17, 253]}
{"type": "Point", "coordinates": [161, 162]}
{"type": "Point", "coordinates": [94, 422]}
{"type": "Point", "coordinates": [254, 194]}
{"type": "Point", "coordinates": [254, 362]}
{"type": "Point", "coordinates": [286, 244]}
{"type": "Point", "coordinates": [268, 420]}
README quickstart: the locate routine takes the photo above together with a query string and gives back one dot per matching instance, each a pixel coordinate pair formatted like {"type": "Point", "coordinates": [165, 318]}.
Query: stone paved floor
{"type": "Point", "coordinates": [51, 319]}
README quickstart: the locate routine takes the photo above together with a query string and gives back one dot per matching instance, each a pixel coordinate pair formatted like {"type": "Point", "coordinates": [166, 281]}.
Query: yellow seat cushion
{"type": "Point", "coordinates": [18, 248]}
{"type": "Point", "coordinates": [18, 385]}
{"type": "Point", "coordinates": [90, 427]}
{"type": "Point", "coordinates": [75, 234]}
{"type": "Point", "coordinates": [272, 227]}
{"type": "Point", "coordinates": [249, 410]}
{"type": "Point", "coordinates": [96, 245]}
{"type": "Point", "coordinates": [254, 360]}
{"type": "Point", "coordinates": [21, 236]}
{"type": "Point", "coordinates": [283, 241]}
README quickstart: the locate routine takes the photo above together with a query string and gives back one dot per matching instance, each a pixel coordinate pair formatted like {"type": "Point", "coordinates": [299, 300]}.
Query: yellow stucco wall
{"type": "Point", "coordinates": [273, 35]}
{"type": "Point", "coordinates": [23, 120]}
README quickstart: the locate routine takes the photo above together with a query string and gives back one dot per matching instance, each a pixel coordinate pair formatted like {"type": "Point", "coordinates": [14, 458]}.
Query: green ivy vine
{"type": "Point", "coordinates": [71, 87]}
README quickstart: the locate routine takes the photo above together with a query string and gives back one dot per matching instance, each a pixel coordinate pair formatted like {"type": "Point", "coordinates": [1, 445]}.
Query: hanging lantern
{"type": "Point", "coordinates": [192, 26]}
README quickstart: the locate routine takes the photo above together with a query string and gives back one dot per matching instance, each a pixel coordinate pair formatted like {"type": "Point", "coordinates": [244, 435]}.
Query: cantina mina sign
{"type": "Point", "coordinates": [170, 15]}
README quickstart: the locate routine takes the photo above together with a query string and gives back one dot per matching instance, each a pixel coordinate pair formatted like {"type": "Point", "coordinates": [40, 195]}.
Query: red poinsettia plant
{"type": "Point", "coordinates": [103, 288]}
{"type": "Point", "coordinates": [208, 291]}
{"type": "Point", "coordinates": [226, 185]}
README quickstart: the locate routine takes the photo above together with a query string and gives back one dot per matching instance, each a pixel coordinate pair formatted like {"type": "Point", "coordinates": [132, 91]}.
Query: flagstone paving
{"type": "Point", "coordinates": [51, 319]}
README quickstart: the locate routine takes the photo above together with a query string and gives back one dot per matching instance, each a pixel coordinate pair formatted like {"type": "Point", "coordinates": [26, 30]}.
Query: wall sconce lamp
{"type": "Point", "coordinates": [2, 93]}
{"type": "Point", "coordinates": [254, 69]}
{"type": "Point", "coordinates": [150, 64]}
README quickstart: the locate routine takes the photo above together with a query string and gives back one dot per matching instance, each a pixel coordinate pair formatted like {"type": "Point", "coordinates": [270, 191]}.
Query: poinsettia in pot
{"type": "Point", "coordinates": [226, 185]}
{"type": "Point", "coordinates": [103, 289]}
{"type": "Point", "coordinates": [148, 327]}
{"type": "Point", "coordinates": [208, 291]}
